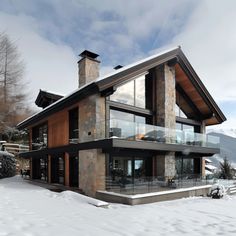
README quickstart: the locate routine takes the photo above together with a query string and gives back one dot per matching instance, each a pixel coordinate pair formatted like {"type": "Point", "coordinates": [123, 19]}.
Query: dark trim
{"type": "Point", "coordinates": [70, 148]}
{"type": "Point", "coordinates": [109, 145]}
{"type": "Point", "coordinates": [163, 147]}
{"type": "Point", "coordinates": [187, 121]}
{"type": "Point", "coordinates": [124, 107]}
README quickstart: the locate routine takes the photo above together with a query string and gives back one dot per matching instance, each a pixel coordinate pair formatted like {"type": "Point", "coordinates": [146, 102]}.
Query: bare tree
{"type": "Point", "coordinates": [12, 87]}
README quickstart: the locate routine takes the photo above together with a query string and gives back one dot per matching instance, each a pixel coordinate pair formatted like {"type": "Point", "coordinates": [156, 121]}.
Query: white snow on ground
{"type": "Point", "coordinates": [28, 210]}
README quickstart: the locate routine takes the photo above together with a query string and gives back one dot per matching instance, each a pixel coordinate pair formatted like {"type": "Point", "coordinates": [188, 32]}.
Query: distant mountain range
{"type": "Point", "coordinates": [227, 145]}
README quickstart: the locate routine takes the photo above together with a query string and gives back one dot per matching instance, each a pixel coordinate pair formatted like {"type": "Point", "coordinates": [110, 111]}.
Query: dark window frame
{"type": "Point", "coordinates": [73, 113]}
{"type": "Point", "coordinates": [36, 133]}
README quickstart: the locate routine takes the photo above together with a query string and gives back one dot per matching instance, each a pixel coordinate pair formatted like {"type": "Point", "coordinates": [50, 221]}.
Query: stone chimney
{"type": "Point", "coordinates": [88, 67]}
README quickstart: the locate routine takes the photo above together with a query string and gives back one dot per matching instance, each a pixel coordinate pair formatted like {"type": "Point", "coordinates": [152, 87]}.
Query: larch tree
{"type": "Point", "coordinates": [13, 106]}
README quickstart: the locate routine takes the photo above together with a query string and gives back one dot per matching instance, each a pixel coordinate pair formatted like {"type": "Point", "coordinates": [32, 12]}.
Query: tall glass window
{"type": "Point", "coordinates": [131, 93]}
{"type": "Point", "coordinates": [44, 168]}
{"type": "Point", "coordinates": [39, 137]}
{"type": "Point", "coordinates": [184, 166]}
{"type": "Point", "coordinates": [73, 125]}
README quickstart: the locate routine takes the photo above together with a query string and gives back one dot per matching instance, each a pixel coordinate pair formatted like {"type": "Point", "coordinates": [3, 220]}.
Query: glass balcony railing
{"type": "Point", "coordinates": [143, 132]}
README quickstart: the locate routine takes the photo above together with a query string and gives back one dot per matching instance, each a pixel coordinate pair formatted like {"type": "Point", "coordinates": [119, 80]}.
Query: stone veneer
{"type": "Point", "coordinates": [91, 127]}
{"type": "Point", "coordinates": [165, 115]}
{"type": "Point", "coordinates": [88, 70]}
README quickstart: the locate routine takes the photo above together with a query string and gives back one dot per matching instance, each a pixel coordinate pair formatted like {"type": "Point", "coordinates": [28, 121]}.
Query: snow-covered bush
{"type": "Point", "coordinates": [7, 164]}
{"type": "Point", "coordinates": [217, 191]}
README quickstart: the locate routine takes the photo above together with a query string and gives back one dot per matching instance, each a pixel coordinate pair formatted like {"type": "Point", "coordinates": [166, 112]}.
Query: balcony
{"type": "Point", "coordinates": [132, 131]}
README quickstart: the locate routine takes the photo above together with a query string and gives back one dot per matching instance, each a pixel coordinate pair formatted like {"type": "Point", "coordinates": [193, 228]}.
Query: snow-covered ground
{"type": "Point", "coordinates": [28, 210]}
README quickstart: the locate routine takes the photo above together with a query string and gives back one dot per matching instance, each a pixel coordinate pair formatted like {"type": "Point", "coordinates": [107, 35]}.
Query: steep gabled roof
{"type": "Point", "coordinates": [107, 84]}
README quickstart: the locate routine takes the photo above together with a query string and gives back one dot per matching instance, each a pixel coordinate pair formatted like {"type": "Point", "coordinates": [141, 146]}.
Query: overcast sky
{"type": "Point", "coordinates": [51, 34]}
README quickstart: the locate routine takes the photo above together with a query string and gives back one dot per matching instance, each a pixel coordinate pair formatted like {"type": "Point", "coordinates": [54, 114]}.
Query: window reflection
{"type": "Point", "coordinates": [179, 112]}
{"type": "Point", "coordinates": [140, 98]}
{"type": "Point", "coordinates": [131, 93]}
{"type": "Point", "coordinates": [124, 94]}
{"type": "Point", "coordinates": [124, 124]}
{"type": "Point", "coordinates": [39, 137]}
{"type": "Point", "coordinates": [120, 115]}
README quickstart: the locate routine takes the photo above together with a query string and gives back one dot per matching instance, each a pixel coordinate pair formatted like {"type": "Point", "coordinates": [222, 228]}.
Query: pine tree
{"type": "Point", "coordinates": [225, 169]}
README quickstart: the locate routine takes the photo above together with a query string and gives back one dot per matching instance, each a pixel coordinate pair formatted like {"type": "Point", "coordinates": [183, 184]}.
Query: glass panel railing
{"type": "Point", "coordinates": [144, 132]}
{"type": "Point", "coordinates": [138, 185]}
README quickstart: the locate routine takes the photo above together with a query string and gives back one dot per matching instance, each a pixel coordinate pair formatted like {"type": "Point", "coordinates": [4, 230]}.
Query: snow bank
{"type": "Point", "coordinates": [69, 195]}
{"type": "Point", "coordinates": [29, 210]}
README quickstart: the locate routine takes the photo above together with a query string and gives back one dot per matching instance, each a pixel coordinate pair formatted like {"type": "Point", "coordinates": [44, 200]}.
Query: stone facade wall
{"type": "Point", "coordinates": [91, 127]}
{"type": "Point", "coordinates": [91, 171]}
{"type": "Point", "coordinates": [92, 118]}
{"type": "Point", "coordinates": [165, 116]}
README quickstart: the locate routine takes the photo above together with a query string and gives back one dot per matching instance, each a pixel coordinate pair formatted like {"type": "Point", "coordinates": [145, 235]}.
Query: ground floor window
{"type": "Point", "coordinates": [125, 170]}
{"type": "Point", "coordinates": [44, 168]}
{"type": "Point", "coordinates": [74, 169]}
{"type": "Point", "coordinates": [58, 169]}
{"type": "Point", "coordinates": [40, 168]}
{"type": "Point", "coordinates": [188, 166]}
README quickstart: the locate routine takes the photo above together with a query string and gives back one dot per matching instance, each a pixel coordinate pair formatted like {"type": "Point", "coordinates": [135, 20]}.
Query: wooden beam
{"type": "Point", "coordinates": [189, 102]}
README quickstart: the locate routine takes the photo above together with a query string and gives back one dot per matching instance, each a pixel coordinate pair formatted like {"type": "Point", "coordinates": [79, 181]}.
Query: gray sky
{"type": "Point", "coordinates": [51, 34]}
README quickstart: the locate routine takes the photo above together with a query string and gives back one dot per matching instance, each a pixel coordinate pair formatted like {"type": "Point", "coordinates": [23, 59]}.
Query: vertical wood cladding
{"type": "Point", "coordinates": [58, 130]}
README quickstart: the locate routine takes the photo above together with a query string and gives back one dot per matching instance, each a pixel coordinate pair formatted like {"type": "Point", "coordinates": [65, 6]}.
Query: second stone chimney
{"type": "Point", "coordinates": [88, 67]}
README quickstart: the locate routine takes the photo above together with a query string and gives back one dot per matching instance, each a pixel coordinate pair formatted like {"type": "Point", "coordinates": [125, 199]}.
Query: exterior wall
{"type": "Point", "coordinates": [91, 171]}
{"type": "Point", "coordinates": [91, 118]}
{"type": "Point", "coordinates": [165, 115]}
{"type": "Point", "coordinates": [91, 162]}
{"type": "Point", "coordinates": [58, 129]}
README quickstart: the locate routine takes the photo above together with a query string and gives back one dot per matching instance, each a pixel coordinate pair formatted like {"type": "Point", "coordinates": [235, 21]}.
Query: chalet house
{"type": "Point", "coordinates": [144, 120]}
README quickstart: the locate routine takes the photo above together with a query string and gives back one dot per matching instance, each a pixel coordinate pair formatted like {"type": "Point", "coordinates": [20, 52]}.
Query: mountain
{"type": "Point", "coordinates": [227, 145]}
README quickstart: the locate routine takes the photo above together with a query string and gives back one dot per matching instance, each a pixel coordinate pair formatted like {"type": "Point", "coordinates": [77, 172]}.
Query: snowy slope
{"type": "Point", "coordinates": [28, 210]}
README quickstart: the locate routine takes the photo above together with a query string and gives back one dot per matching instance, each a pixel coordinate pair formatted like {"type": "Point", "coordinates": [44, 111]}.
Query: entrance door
{"type": "Point", "coordinates": [74, 170]}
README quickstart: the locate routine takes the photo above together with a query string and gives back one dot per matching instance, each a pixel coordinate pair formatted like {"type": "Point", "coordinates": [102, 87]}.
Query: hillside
{"type": "Point", "coordinates": [227, 146]}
